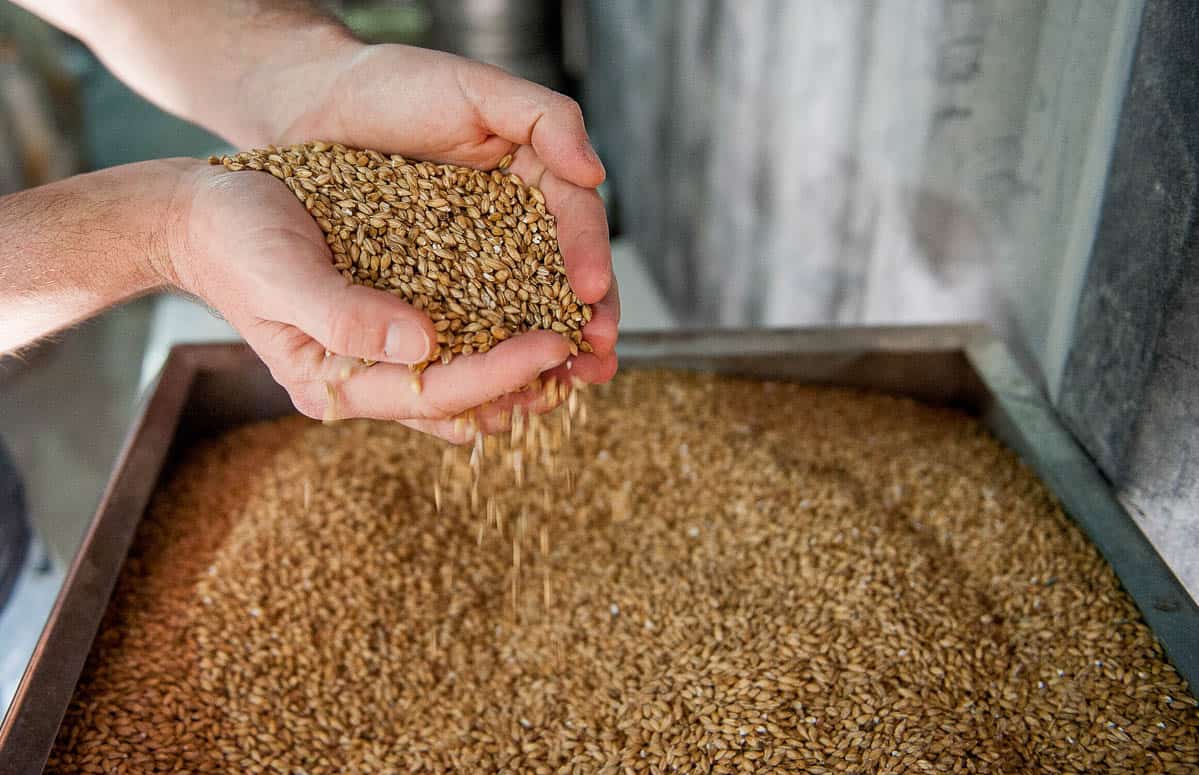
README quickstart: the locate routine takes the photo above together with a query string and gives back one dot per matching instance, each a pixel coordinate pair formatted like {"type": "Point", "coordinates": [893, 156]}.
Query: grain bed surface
{"type": "Point", "coordinates": [747, 577]}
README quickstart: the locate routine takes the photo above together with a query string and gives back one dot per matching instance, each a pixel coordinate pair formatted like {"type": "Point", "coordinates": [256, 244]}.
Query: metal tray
{"type": "Point", "coordinates": [205, 389]}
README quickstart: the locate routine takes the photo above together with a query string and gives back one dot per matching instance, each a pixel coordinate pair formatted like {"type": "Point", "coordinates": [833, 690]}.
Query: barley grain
{"type": "Point", "coordinates": [888, 591]}
{"type": "Point", "coordinates": [477, 251]}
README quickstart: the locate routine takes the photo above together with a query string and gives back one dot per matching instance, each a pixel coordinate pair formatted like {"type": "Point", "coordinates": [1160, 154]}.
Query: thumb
{"type": "Point", "coordinates": [358, 321]}
{"type": "Point", "coordinates": [283, 272]}
{"type": "Point", "coordinates": [368, 323]}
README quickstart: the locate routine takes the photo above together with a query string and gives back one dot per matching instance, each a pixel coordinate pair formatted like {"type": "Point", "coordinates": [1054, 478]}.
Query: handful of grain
{"type": "Point", "coordinates": [477, 251]}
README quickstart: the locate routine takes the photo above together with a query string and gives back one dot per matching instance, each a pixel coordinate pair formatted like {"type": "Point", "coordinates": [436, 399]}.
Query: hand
{"type": "Point", "coordinates": [430, 105]}
{"type": "Point", "coordinates": [242, 242]}
{"type": "Point", "coordinates": [262, 71]}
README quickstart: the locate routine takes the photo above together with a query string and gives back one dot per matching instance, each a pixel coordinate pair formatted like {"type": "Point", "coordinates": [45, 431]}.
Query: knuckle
{"type": "Point", "coordinates": [286, 372]}
{"type": "Point", "coordinates": [570, 106]}
{"type": "Point", "coordinates": [307, 402]}
{"type": "Point", "coordinates": [346, 333]}
{"type": "Point", "coordinates": [294, 358]}
{"type": "Point", "coordinates": [486, 71]}
{"type": "Point", "coordinates": [433, 409]}
{"type": "Point", "coordinates": [339, 325]}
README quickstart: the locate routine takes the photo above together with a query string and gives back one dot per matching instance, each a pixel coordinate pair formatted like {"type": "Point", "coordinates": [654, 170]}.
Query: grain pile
{"type": "Point", "coordinates": [478, 251]}
{"type": "Point", "coordinates": [746, 577]}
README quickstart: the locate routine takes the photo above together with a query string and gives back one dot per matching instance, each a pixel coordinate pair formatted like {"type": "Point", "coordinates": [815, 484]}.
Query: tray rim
{"type": "Point", "coordinates": [1017, 412]}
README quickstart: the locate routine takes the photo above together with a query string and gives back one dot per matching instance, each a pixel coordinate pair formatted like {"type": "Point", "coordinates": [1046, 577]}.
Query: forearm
{"type": "Point", "coordinates": [237, 67]}
{"type": "Point", "coordinates": [73, 248]}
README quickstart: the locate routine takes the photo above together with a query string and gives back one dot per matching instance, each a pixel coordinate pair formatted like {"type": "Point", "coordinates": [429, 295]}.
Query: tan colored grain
{"type": "Point", "coordinates": [477, 251]}
{"type": "Point", "coordinates": [803, 580]}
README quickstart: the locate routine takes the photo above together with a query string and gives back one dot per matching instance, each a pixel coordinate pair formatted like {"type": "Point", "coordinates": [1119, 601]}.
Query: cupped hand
{"type": "Point", "coordinates": [243, 242]}
{"type": "Point", "coordinates": [439, 107]}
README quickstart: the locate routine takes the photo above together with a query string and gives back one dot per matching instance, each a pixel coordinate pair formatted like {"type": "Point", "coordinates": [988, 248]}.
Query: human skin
{"type": "Point", "coordinates": [259, 72]}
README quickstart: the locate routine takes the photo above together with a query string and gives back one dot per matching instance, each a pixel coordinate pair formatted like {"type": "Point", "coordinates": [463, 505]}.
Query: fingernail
{"type": "Point", "coordinates": [555, 363]}
{"type": "Point", "coordinates": [406, 342]}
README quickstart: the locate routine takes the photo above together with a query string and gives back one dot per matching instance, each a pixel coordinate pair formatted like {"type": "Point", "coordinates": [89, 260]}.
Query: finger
{"type": "Point", "coordinates": [338, 387]}
{"type": "Point", "coordinates": [283, 271]}
{"type": "Point", "coordinates": [587, 367]}
{"type": "Point", "coordinates": [528, 165]}
{"type": "Point", "coordinates": [544, 396]}
{"type": "Point", "coordinates": [447, 430]}
{"type": "Point", "coordinates": [582, 230]}
{"type": "Point", "coordinates": [297, 362]}
{"type": "Point", "coordinates": [526, 113]}
{"type": "Point", "coordinates": [291, 355]}
{"type": "Point", "coordinates": [355, 320]}
{"type": "Point", "coordinates": [489, 419]}
{"type": "Point", "coordinates": [603, 328]}
{"type": "Point", "coordinates": [581, 226]}
{"type": "Point", "coordinates": [387, 392]}
{"type": "Point", "coordinates": [497, 416]}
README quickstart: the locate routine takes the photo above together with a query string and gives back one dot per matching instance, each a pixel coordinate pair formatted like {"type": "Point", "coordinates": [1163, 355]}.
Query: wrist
{"type": "Point", "coordinates": [291, 84]}
{"type": "Point", "coordinates": [171, 261]}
